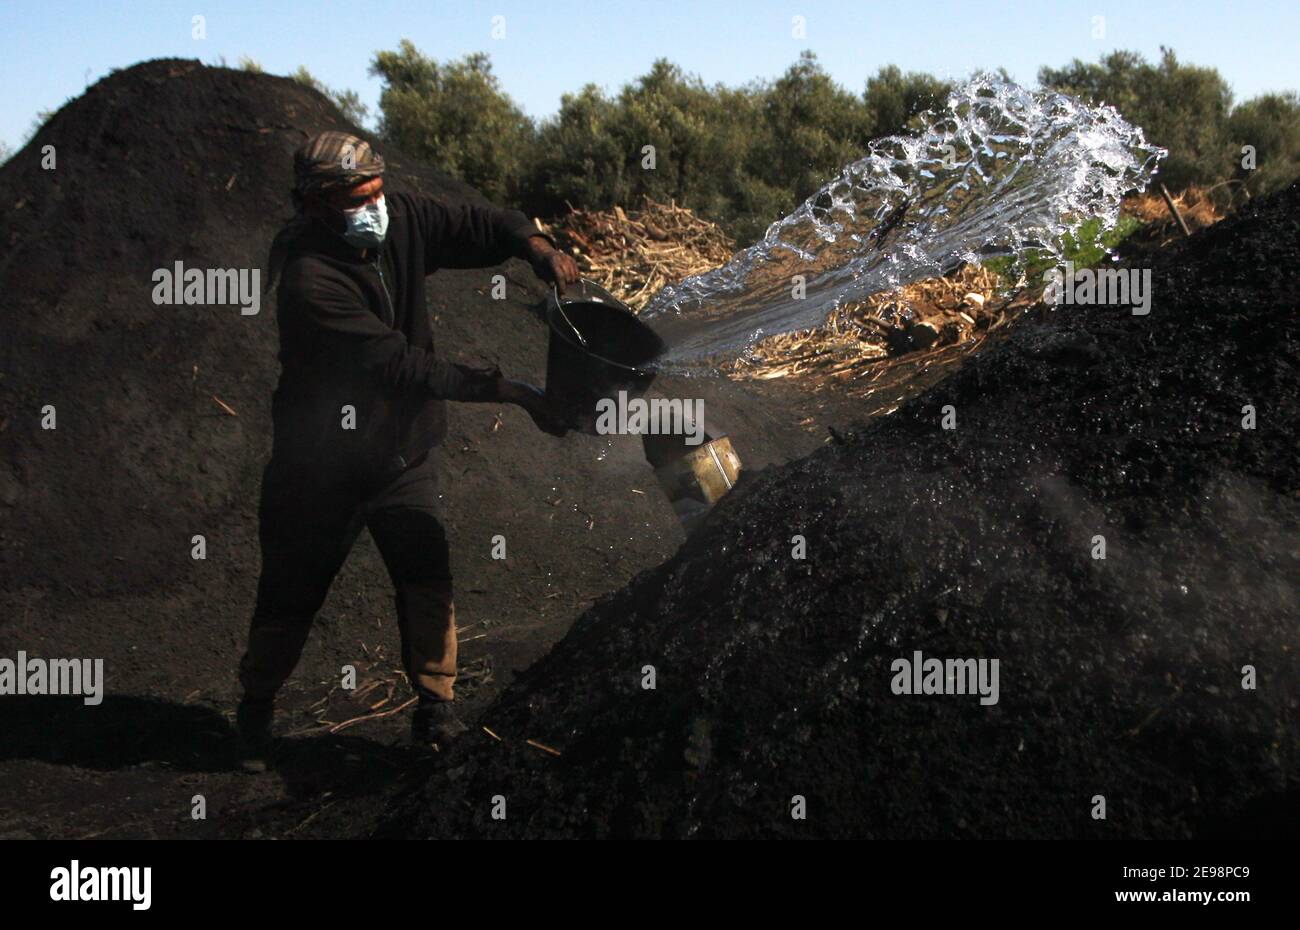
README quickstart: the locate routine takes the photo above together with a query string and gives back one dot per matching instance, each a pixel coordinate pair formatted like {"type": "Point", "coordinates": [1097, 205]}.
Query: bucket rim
{"type": "Point", "coordinates": [555, 303]}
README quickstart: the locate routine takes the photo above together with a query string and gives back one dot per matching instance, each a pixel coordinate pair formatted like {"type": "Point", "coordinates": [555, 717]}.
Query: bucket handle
{"type": "Point", "coordinates": [559, 306]}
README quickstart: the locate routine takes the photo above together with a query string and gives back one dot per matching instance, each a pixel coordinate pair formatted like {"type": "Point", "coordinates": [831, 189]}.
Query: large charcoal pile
{"type": "Point", "coordinates": [1120, 678]}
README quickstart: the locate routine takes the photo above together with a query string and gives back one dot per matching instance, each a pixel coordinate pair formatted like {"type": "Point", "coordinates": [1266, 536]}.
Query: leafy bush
{"type": "Point", "coordinates": [893, 98]}
{"type": "Point", "coordinates": [454, 116]}
{"type": "Point", "coordinates": [1271, 125]}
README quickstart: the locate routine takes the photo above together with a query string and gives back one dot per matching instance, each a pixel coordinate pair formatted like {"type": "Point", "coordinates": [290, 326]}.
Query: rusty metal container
{"type": "Point", "coordinates": [698, 478]}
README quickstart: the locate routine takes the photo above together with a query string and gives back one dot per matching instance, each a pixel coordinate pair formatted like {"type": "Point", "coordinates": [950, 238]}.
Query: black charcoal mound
{"type": "Point", "coordinates": [1120, 678]}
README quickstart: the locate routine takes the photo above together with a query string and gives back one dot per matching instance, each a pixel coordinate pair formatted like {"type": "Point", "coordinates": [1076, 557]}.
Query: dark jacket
{"type": "Point", "coordinates": [355, 333]}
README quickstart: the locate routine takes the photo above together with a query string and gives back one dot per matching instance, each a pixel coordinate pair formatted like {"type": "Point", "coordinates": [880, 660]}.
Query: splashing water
{"type": "Point", "coordinates": [998, 171]}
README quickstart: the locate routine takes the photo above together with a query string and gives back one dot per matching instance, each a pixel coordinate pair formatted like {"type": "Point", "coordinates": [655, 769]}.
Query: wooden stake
{"type": "Point", "coordinates": [1173, 208]}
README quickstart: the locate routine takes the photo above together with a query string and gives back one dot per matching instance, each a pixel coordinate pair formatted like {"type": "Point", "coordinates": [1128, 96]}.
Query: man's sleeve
{"type": "Point", "coordinates": [350, 335]}
{"type": "Point", "coordinates": [463, 235]}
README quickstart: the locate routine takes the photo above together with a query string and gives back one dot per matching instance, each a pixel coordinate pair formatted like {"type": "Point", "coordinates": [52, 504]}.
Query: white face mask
{"type": "Point", "coordinates": [367, 225]}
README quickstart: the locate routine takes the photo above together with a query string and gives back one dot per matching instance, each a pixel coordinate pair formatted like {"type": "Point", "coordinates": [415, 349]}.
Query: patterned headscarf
{"type": "Point", "coordinates": [332, 160]}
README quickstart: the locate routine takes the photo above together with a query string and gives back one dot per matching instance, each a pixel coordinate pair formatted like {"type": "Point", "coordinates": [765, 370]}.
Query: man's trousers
{"type": "Point", "coordinates": [306, 532]}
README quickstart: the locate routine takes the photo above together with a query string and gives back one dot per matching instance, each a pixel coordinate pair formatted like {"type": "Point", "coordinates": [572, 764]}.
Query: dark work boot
{"type": "Point", "coordinates": [253, 724]}
{"type": "Point", "coordinates": [435, 723]}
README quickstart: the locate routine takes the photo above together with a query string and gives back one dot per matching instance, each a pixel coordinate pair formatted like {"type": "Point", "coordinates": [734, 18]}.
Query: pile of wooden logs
{"type": "Point", "coordinates": [634, 253]}
{"type": "Point", "coordinates": [929, 314]}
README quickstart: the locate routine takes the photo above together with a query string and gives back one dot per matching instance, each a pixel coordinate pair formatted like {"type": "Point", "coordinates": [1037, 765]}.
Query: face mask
{"type": "Point", "coordinates": [367, 225]}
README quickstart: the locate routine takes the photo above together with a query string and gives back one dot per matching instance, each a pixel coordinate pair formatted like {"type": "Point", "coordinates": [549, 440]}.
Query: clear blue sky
{"type": "Point", "coordinates": [51, 50]}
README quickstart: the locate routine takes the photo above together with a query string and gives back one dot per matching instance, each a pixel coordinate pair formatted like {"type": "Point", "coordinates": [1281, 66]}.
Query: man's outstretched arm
{"type": "Point", "coordinates": [465, 235]}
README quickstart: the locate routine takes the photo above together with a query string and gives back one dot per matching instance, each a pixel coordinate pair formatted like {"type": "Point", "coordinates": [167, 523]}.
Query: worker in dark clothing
{"type": "Point", "coordinates": [359, 407]}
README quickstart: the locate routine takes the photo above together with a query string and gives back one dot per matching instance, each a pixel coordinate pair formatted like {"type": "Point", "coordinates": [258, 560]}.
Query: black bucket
{"type": "Point", "coordinates": [597, 348]}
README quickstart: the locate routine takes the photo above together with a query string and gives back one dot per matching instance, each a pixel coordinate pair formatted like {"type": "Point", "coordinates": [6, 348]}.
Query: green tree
{"type": "Point", "coordinates": [577, 160]}
{"type": "Point", "coordinates": [893, 98]}
{"type": "Point", "coordinates": [683, 120]}
{"type": "Point", "coordinates": [666, 135]}
{"type": "Point", "coordinates": [454, 116]}
{"type": "Point", "coordinates": [1271, 125]}
{"type": "Point", "coordinates": [1183, 108]}
{"type": "Point", "coordinates": [811, 128]}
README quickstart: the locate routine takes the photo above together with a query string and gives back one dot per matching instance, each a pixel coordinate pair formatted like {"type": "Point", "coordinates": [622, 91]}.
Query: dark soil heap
{"type": "Point", "coordinates": [1120, 678]}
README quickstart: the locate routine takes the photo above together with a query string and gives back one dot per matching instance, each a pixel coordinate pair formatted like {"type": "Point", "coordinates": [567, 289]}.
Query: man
{"type": "Point", "coordinates": [359, 406]}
